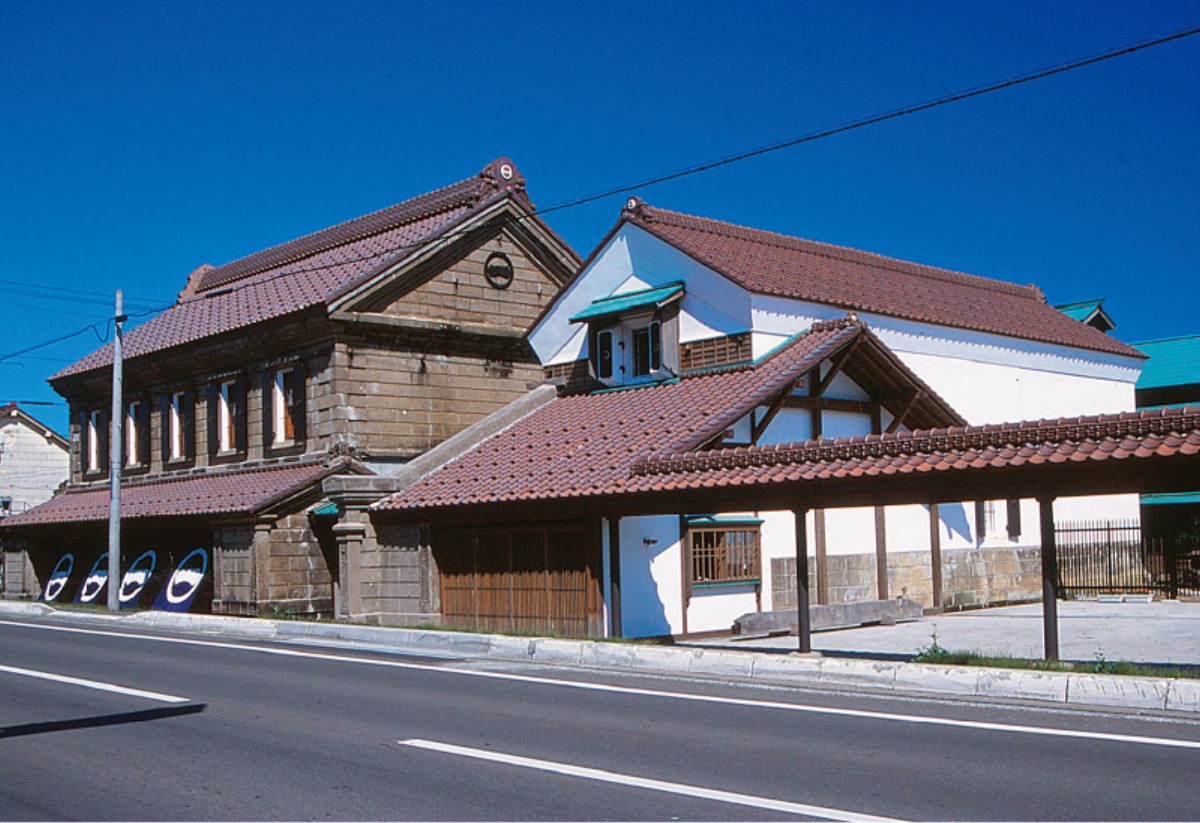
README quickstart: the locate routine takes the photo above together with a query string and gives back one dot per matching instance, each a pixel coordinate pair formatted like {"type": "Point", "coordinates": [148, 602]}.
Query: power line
{"type": "Point", "coordinates": [107, 298]}
{"type": "Point", "coordinates": [915, 108]}
{"type": "Point", "coordinates": [955, 97]}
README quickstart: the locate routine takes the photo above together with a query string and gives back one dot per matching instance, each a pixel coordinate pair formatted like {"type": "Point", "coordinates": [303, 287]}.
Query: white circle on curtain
{"type": "Point", "coordinates": [136, 578]}
{"type": "Point", "coordinates": [188, 577]}
{"type": "Point", "coordinates": [93, 584]}
{"type": "Point", "coordinates": [59, 577]}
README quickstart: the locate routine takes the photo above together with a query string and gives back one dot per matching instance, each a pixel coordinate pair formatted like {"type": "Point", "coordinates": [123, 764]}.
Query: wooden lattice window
{"type": "Point", "coordinates": [725, 552]}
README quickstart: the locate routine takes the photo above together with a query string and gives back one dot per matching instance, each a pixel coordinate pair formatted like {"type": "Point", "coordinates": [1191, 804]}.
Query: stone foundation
{"type": "Point", "coordinates": [970, 577]}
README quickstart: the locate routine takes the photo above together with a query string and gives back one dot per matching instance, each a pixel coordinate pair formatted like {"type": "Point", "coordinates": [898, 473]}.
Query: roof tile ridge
{"type": "Point", "coordinates": [833, 251]}
{"type": "Point", "coordinates": [218, 473]}
{"type": "Point", "coordinates": [992, 435]}
{"type": "Point", "coordinates": [307, 245]}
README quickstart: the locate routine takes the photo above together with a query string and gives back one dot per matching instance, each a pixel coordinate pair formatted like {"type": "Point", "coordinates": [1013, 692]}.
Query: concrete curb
{"type": "Point", "coordinates": [1078, 689]}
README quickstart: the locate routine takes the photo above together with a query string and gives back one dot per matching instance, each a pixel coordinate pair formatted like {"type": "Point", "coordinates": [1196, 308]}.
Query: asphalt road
{"type": "Point", "coordinates": [226, 729]}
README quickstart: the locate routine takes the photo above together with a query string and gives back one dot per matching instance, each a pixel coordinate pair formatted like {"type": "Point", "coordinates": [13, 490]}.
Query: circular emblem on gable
{"type": "Point", "coordinates": [506, 171]}
{"type": "Point", "coordinates": [498, 270]}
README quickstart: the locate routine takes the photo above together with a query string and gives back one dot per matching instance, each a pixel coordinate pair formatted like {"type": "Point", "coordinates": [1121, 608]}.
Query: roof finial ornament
{"type": "Point", "coordinates": [503, 174]}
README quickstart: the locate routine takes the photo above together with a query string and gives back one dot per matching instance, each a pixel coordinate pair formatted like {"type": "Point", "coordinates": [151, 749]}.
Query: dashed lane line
{"type": "Point", "coordinates": [602, 776]}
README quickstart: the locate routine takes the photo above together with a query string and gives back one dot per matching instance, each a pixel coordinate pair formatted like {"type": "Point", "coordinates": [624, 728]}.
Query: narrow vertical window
{"type": "Point", "coordinates": [1014, 519]}
{"type": "Point", "coordinates": [285, 401]}
{"type": "Point", "coordinates": [175, 425]}
{"type": "Point", "coordinates": [95, 428]}
{"type": "Point", "coordinates": [227, 402]}
{"type": "Point", "coordinates": [647, 357]}
{"type": "Point", "coordinates": [133, 433]}
{"type": "Point", "coordinates": [604, 354]}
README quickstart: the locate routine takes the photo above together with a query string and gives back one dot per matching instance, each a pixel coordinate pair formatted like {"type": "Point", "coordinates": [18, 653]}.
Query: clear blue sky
{"type": "Point", "coordinates": [139, 140]}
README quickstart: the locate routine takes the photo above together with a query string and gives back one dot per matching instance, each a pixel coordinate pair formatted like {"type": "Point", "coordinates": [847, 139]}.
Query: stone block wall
{"type": "Point", "coordinates": [970, 577]}
{"type": "Point", "coordinates": [299, 579]}
{"type": "Point", "coordinates": [398, 579]}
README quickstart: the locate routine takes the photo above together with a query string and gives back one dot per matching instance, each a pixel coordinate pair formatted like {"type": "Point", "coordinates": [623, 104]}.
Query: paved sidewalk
{"type": "Point", "coordinates": [1167, 633]}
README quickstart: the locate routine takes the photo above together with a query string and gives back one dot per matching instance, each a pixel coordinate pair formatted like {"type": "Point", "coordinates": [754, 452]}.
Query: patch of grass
{"type": "Point", "coordinates": [934, 652]}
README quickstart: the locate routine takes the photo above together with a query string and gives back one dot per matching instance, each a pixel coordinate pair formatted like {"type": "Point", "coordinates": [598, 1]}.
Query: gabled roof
{"type": "Point", "coordinates": [1090, 312]}
{"type": "Point", "coordinates": [586, 445]}
{"type": "Point", "coordinates": [775, 264]}
{"type": "Point", "coordinates": [1173, 362]}
{"type": "Point", "coordinates": [232, 492]}
{"type": "Point", "coordinates": [313, 270]}
{"type": "Point", "coordinates": [10, 410]}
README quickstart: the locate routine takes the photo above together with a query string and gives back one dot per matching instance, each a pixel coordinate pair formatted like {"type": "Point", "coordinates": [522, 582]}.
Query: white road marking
{"type": "Point", "coordinates": [981, 725]}
{"type": "Point", "coordinates": [94, 684]}
{"type": "Point", "coordinates": [770, 804]}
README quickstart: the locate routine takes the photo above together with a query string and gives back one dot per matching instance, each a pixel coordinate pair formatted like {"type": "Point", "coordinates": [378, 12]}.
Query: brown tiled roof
{"type": "Point", "coordinates": [310, 271]}
{"type": "Point", "coordinates": [215, 492]}
{"type": "Point", "coordinates": [512, 468]}
{"type": "Point", "coordinates": [586, 445]}
{"type": "Point", "coordinates": [1160, 432]}
{"type": "Point", "coordinates": [775, 264]}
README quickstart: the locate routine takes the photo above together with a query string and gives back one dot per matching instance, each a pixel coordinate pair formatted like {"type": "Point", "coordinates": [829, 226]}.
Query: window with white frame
{"type": "Point", "coordinates": [630, 351]}
{"type": "Point", "coordinates": [95, 430]}
{"type": "Point", "coordinates": [176, 419]}
{"type": "Point", "coordinates": [133, 433]}
{"type": "Point", "coordinates": [227, 412]}
{"type": "Point", "coordinates": [287, 397]}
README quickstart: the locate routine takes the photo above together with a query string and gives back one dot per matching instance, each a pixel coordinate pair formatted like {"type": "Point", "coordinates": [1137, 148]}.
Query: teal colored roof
{"type": "Point", "coordinates": [1080, 311]}
{"type": "Point", "coordinates": [1087, 311]}
{"type": "Point", "coordinates": [1173, 362]}
{"type": "Point", "coordinates": [656, 298]}
{"type": "Point", "coordinates": [326, 508]}
{"type": "Point", "coordinates": [721, 520]}
{"type": "Point", "coordinates": [1170, 499]}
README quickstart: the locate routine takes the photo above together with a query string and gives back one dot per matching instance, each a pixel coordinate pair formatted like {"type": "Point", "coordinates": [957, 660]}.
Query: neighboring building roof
{"type": "Point", "coordinates": [232, 492]}
{"type": "Point", "coordinates": [1173, 362]}
{"type": "Point", "coordinates": [775, 264]}
{"type": "Point", "coordinates": [587, 444]}
{"type": "Point", "coordinates": [313, 270]}
{"type": "Point", "coordinates": [13, 410]}
{"type": "Point", "coordinates": [1090, 312]}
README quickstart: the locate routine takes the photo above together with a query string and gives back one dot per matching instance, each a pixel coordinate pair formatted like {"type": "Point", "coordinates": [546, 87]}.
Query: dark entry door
{"type": "Point", "coordinates": [542, 580]}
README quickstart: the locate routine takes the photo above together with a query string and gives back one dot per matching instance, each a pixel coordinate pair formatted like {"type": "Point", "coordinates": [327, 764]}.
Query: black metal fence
{"type": "Point", "coordinates": [1097, 557]}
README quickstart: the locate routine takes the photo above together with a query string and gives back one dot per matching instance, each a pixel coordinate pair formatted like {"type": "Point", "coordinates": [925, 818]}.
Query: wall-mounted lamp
{"type": "Point", "coordinates": [647, 542]}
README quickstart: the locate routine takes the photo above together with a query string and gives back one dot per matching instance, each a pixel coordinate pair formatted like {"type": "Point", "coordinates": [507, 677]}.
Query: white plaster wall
{"type": "Point", "coordinates": [788, 426]}
{"type": "Point", "coordinates": [850, 531]}
{"type": "Point", "coordinates": [651, 577]}
{"type": "Point", "coordinates": [712, 306]}
{"type": "Point", "coordinates": [836, 424]}
{"type": "Point", "coordinates": [31, 465]}
{"type": "Point", "coordinates": [715, 609]}
{"type": "Point", "coordinates": [907, 528]}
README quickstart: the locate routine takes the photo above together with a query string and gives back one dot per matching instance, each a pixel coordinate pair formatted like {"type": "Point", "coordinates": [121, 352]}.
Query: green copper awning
{"type": "Point", "coordinates": [1181, 498]}
{"type": "Point", "coordinates": [619, 303]}
{"type": "Point", "coordinates": [326, 508]}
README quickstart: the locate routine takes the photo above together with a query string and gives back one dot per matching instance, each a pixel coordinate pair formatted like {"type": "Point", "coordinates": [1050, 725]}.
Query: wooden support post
{"type": "Point", "coordinates": [614, 577]}
{"type": "Point", "coordinates": [881, 559]}
{"type": "Point", "coordinates": [1049, 578]}
{"type": "Point", "coordinates": [822, 557]}
{"type": "Point", "coordinates": [803, 617]}
{"type": "Point", "coordinates": [935, 554]}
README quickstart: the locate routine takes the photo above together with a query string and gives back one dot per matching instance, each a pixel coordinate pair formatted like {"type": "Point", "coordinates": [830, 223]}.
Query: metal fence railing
{"type": "Point", "coordinates": [1095, 557]}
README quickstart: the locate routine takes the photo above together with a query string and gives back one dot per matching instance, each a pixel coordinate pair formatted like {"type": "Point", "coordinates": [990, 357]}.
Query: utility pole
{"type": "Point", "coordinates": [115, 454]}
